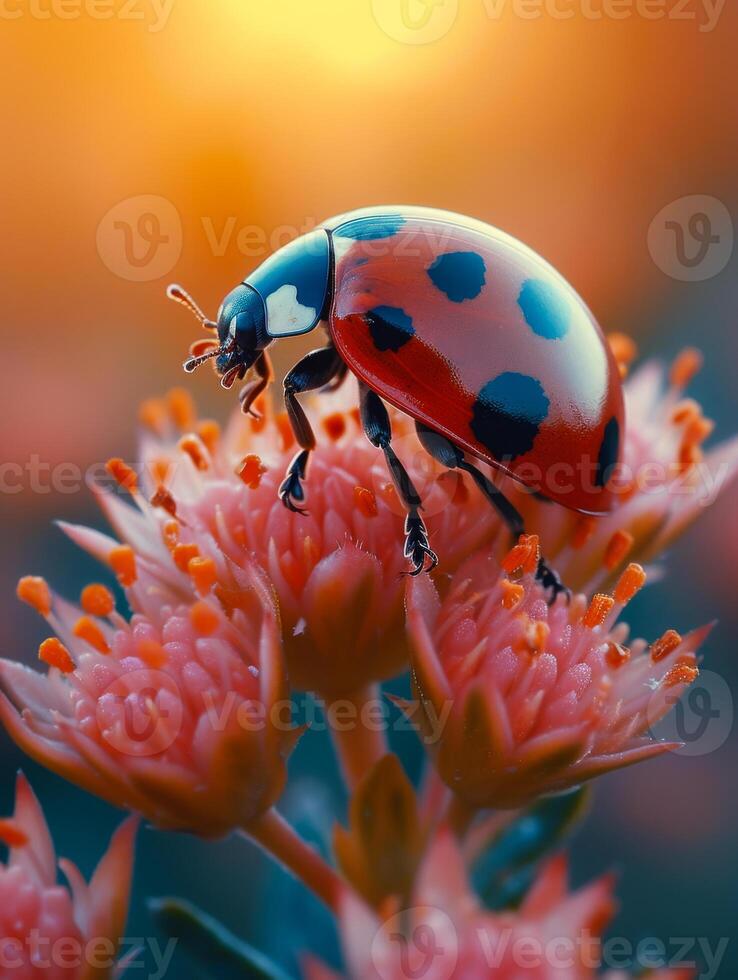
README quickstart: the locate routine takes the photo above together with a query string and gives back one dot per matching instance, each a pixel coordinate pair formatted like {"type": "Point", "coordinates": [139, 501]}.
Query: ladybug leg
{"type": "Point", "coordinates": [450, 455]}
{"type": "Point", "coordinates": [251, 391]}
{"type": "Point", "coordinates": [376, 423]}
{"type": "Point", "coordinates": [315, 370]}
{"type": "Point", "coordinates": [338, 378]}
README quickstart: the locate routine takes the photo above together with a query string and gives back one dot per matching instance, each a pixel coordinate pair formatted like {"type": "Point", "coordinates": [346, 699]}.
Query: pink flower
{"type": "Point", "coordinates": [518, 699]}
{"type": "Point", "coordinates": [338, 573]}
{"type": "Point", "coordinates": [171, 714]}
{"type": "Point", "coordinates": [50, 931]}
{"type": "Point", "coordinates": [666, 479]}
{"type": "Point", "coordinates": [554, 935]}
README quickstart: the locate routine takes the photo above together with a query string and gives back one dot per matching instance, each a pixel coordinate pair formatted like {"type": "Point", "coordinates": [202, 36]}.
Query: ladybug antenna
{"type": "Point", "coordinates": [180, 295]}
{"type": "Point", "coordinates": [193, 363]}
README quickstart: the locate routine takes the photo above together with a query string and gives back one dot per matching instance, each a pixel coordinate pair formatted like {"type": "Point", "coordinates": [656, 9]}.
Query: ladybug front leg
{"type": "Point", "coordinates": [450, 455]}
{"type": "Point", "coordinates": [376, 423]}
{"type": "Point", "coordinates": [315, 370]}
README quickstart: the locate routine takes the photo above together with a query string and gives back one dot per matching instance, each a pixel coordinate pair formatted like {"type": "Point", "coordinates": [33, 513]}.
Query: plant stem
{"type": "Point", "coordinates": [358, 735]}
{"type": "Point", "coordinates": [275, 835]}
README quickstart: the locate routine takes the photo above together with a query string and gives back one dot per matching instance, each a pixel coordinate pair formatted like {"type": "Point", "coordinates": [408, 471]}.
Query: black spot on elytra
{"type": "Point", "coordinates": [608, 455]}
{"type": "Point", "coordinates": [508, 413]}
{"type": "Point", "coordinates": [460, 275]}
{"type": "Point", "coordinates": [389, 326]}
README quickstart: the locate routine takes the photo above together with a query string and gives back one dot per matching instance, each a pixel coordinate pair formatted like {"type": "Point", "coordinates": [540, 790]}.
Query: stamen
{"type": "Point", "coordinates": [685, 367]}
{"type": "Point", "coordinates": [617, 549]}
{"type": "Point", "coordinates": [123, 562]}
{"type": "Point", "coordinates": [203, 573]}
{"type": "Point", "coordinates": [152, 653]}
{"type": "Point", "coordinates": [209, 431]}
{"type": "Point", "coordinates": [34, 590]}
{"type": "Point", "coordinates": [365, 501]}
{"type": "Point", "coordinates": [170, 534]}
{"type": "Point", "coordinates": [163, 498]}
{"type": "Point", "coordinates": [686, 409]}
{"type": "Point", "coordinates": [285, 431]}
{"type": "Point", "coordinates": [183, 555]}
{"type": "Point", "coordinates": [335, 425]}
{"type": "Point", "coordinates": [617, 655]}
{"type": "Point", "coordinates": [583, 531]}
{"type": "Point", "coordinates": [512, 593]}
{"type": "Point", "coordinates": [12, 834]}
{"type": "Point", "coordinates": [623, 349]}
{"type": "Point", "coordinates": [665, 645]}
{"type": "Point", "coordinates": [523, 558]}
{"type": "Point", "coordinates": [122, 473]}
{"type": "Point", "coordinates": [182, 408]}
{"type": "Point", "coordinates": [160, 469]}
{"type": "Point", "coordinates": [55, 654]}
{"type": "Point", "coordinates": [630, 582]}
{"type": "Point", "coordinates": [680, 674]}
{"type": "Point", "coordinates": [153, 414]}
{"type": "Point", "coordinates": [204, 618]}
{"type": "Point", "coordinates": [195, 449]}
{"type": "Point", "coordinates": [84, 629]}
{"type": "Point", "coordinates": [598, 611]}
{"type": "Point", "coordinates": [251, 471]}
{"type": "Point", "coordinates": [96, 600]}
{"type": "Point", "coordinates": [534, 637]}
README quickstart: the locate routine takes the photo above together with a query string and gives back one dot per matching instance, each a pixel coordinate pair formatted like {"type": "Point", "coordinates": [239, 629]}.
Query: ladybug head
{"type": "Point", "coordinates": [240, 328]}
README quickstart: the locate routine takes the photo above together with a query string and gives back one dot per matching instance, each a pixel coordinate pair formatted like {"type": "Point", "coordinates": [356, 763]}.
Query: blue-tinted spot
{"type": "Point", "coordinates": [508, 413]}
{"type": "Point", "coordinates": [371, 228]}
{"type": "Point", "coordinates": [546, 308]}
{"type": "Point", "coordinates": [389, 326]}
{"type": "Point", "coordinates": [460, 275]}
{"type": "Point", "coordinates": [607, 457]}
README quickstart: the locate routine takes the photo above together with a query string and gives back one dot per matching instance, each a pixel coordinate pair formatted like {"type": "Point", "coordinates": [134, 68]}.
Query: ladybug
{"type": "Point", "coordinates": [460, 326]}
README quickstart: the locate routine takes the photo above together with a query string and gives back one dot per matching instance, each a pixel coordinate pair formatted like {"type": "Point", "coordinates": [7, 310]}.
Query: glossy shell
{"type": "Point", "coordinates": [470, 332]}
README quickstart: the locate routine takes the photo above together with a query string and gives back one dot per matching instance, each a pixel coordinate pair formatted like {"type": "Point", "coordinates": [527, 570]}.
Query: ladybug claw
{"type": "Point", "coordinates": [291, 491]}
{"type": "Point", "coordinates": [417, 549]}
{"type": "Point", "coordinates": [549, 579]}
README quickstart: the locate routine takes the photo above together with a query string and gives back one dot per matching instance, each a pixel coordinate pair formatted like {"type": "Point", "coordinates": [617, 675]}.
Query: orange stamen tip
{"type": "Point", "coordinates": [122, 473]}
{"type": "Point", "coordinates": [685, 367]}
{"type": "Point", "coordinates": [534, 637]}
{"type": "Point", "coordinates": [583, 531]}
{"type": "Point", "coordinates": [204, 618]}
{"type": "Point", "coordinates": [152, 653]}
{"type": "Point", "coordinates": [365, 501]}
{"type": "Point", "coordinates": [665, 645]}
{"type": "Point", "coordinates": [285, 431]}
{"type": "Point", "coordinates": [55, 654]}
{"type": "Point", "coordinates": [512, 593]}
{"type": "Point", "coordinates": [164, 499]}
{"type": "Point", "coordinates": [685, 410]}
{"type": "Point", "coordinates": [181, 408]}
{"type": "Point", "coordinates": [194, 447]}
{"type": "Point", "coordinates": [12, 834]}
{"type": "Point", "coordinates": [84, 629]}
{"type": "Point", "coordinates": [35, 591]}
{"type": "Point", "coordinates": [123, 562]}
{"type": "Point", "coordinates": [617, 655]}
{"type": "Point", "coordinates": [209, 432]}
{"type": "Point", "coordinates": [630, 582]}
{"type": "Point", "coordinates": [203, 574]}
{"type": "Point", "coordinates": [617, 549]}
{"type": "Point", "coordinates": [623, 348]}
{"type": "Point", "coordinates": [598, 610]}
{"type": "Point", "coordinates": [170, 534]}
{"type": "Point", "coordinates": [680, 674]}
{"type": "Point", "coordinates": [523, 558]}
{"type": "Point", "coordinates": [160, 469]}
{"type": "Point", "coordinates": [183, 555]}
{"type": "Point", "coordinates": [251, 470]}
{"type": "Point", "coordinates": [96, 600]}
{"type": "Point", "coordinates": [152, 413]}
{"type": "Point", "coordinates": [335, 425]}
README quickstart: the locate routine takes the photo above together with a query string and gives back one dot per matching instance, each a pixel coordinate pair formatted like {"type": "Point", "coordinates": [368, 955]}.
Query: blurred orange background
{"type": "Point", "coordinates": [183, 140]}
